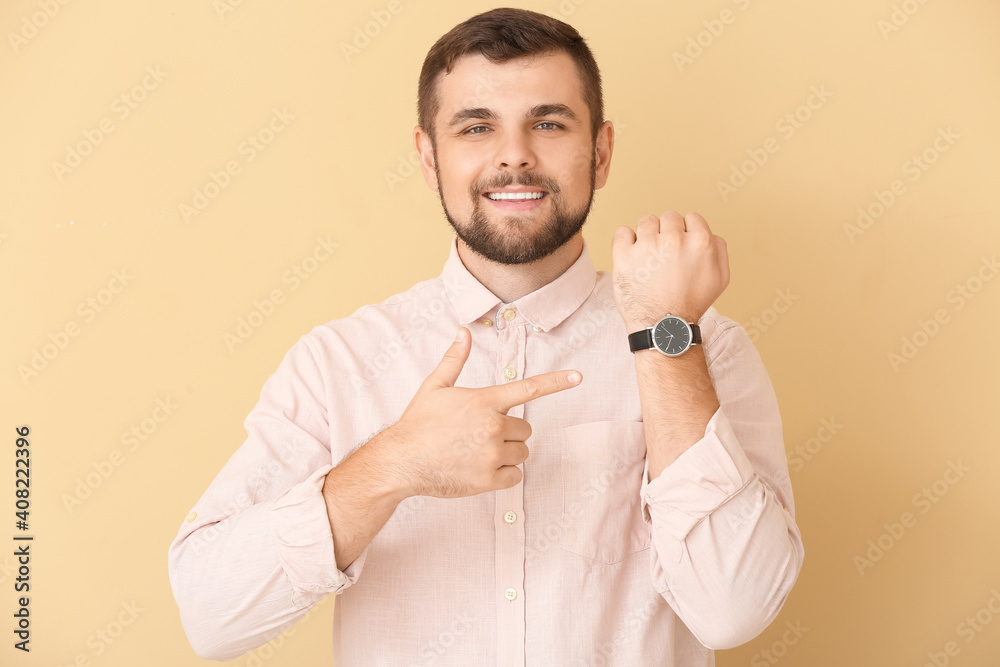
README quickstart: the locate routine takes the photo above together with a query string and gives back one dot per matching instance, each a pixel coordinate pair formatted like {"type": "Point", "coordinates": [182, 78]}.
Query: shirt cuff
{"type": "Point", "coordinates": [701, 479]}
{"type": "Point", "coordinates": [300, 527]}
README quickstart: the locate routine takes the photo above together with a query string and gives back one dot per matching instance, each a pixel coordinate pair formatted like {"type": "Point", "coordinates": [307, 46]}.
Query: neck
{"type": "Point", "coordinates": [510, 282]}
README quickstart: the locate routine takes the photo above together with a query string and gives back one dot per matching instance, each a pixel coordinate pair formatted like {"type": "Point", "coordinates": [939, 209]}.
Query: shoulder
{"type": "Point", "coordinates": [425, 297]}
{"type": "Point", "coordinates": [383, 333]}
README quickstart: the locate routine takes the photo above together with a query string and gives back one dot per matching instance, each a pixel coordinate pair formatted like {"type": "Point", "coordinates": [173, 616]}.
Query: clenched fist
{"type": "Point", "coordinates": [670, 264]}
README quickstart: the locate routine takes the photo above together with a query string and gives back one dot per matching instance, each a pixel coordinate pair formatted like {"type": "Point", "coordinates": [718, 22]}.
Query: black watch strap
{"type": "Point", "coordinates": [695, 334]}
{"type": "Point", "coordinates": [643, 340]}
{"type": "Point", "coordinates": [640, 340]}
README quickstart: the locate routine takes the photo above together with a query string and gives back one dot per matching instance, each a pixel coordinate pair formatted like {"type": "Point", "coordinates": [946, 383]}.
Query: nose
{"type": "Point", "coordinates": [514, 151]}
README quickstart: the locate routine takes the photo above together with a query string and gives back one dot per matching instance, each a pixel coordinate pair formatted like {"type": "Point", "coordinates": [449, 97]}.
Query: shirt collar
{"type": "Point", "coordinates": [545, 308]}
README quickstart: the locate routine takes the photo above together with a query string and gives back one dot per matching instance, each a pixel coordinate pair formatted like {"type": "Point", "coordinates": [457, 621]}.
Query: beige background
{"type": "Point", "coordinates": [681, 129]}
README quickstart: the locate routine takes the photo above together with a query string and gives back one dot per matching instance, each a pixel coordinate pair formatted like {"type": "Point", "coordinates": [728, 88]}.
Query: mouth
{"type": "Point", "coordinates": [516, 201]}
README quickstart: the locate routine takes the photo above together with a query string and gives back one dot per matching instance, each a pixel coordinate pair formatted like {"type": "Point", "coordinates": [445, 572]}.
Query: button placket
{"type": "Point", "coordinates": [509, 507]}
{"type": "Point", "coordinates": [498, 316]}
{"type": "Point", "coordinates": [510, 348]}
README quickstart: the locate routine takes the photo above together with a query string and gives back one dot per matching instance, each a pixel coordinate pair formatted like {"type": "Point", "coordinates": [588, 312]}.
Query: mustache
{"type": "Point", "coordinates": [527, 180]}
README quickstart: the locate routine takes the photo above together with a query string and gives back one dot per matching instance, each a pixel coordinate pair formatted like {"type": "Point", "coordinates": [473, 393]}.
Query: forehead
{"type": "Point", "coordinates": [517, 84]}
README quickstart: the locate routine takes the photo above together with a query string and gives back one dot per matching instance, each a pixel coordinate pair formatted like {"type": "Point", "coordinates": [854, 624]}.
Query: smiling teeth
{"type": "Point", "coordinates": [515, 195]}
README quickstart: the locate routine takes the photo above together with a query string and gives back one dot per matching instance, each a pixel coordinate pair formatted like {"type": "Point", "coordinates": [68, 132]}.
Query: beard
{"type": "Point", "coordinates": [509, 240]}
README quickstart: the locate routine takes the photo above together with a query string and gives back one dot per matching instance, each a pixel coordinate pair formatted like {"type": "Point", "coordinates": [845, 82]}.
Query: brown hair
{"type": "Point", "coordinates": [501, 35]}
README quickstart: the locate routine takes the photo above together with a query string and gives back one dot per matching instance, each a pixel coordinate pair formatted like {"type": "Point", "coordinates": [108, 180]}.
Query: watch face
{"type": "Point", "coordinates": [671, 336]}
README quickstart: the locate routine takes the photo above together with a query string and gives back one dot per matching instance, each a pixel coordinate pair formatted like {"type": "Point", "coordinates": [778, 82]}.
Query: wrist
{"type": "Point", "coordinates": [636, 322]}
{"type": "Point", "coordinates": [390, 475]}
{"type": "Point", "coordinates": [374, 466]}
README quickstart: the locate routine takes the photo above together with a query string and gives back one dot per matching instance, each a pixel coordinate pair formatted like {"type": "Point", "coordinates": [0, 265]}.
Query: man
{"type": "Point", "coordinates": [466, 498]}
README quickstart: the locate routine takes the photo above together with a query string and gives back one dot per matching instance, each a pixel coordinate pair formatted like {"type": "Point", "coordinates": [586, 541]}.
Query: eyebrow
{"type": "Point", "coordinates": [537, 111]}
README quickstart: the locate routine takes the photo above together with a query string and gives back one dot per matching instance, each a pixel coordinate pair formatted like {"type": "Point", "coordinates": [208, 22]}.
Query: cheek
{"type": "Point", "coordinates": [573, 170]}
{"type": "Point", "coordinates": [460, 174]}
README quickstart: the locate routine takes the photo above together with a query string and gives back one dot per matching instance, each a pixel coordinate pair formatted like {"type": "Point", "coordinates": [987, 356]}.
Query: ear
{"type": "Point", "coordinates": [604, 147]}
{"type": "Point", "coordinates": [425, 152]}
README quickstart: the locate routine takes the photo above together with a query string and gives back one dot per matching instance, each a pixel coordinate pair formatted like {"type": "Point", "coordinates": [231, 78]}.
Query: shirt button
{"type": "Point", "coordinates": [510, 373]}
{"type": "Point", "coordinates": [510, 517]}
{"type": "Point", "coordinates": [537, 328]}
{"type": "Point", "coordinates": [509, 314]}
{"type": "Point", "coordinates": [191, 517]}
{"type": "Point", "coordinates": [510, 593]}
{"type": "Point", "coordinates": [487, 322]}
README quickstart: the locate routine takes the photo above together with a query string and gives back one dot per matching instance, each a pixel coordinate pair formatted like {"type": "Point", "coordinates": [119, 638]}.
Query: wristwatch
{"type": "Point", "coordinates": [671, 335]}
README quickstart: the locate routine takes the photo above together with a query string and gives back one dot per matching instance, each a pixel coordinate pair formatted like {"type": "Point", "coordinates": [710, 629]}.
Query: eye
{"type": "Point", "coordinates": [555, 126]}
{"type": "Point", "coordinates": [475, 127]}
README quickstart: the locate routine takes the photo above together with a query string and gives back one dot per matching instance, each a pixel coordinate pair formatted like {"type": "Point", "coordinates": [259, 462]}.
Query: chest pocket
{"type": "Point", "coordinates": [602, 465]}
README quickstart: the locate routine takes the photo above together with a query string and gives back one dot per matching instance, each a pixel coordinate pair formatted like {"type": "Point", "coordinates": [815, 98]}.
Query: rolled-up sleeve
{"type": "Point", "coordinates": [256, 551]}
{"type": "Point", "coordinates": [726, 550]}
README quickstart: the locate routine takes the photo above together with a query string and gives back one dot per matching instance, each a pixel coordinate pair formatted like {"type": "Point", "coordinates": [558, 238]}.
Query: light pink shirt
{"type": "Point", "coordinates": [585, 562]}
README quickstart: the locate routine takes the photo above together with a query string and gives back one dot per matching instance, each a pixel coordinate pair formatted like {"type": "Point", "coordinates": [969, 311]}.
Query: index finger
{"type": "Point", "coordinates": [505, 396]}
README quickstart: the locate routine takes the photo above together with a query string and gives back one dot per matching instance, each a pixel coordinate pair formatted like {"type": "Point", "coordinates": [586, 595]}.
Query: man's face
{"type": "Point", "coordinates": [522, 126]}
